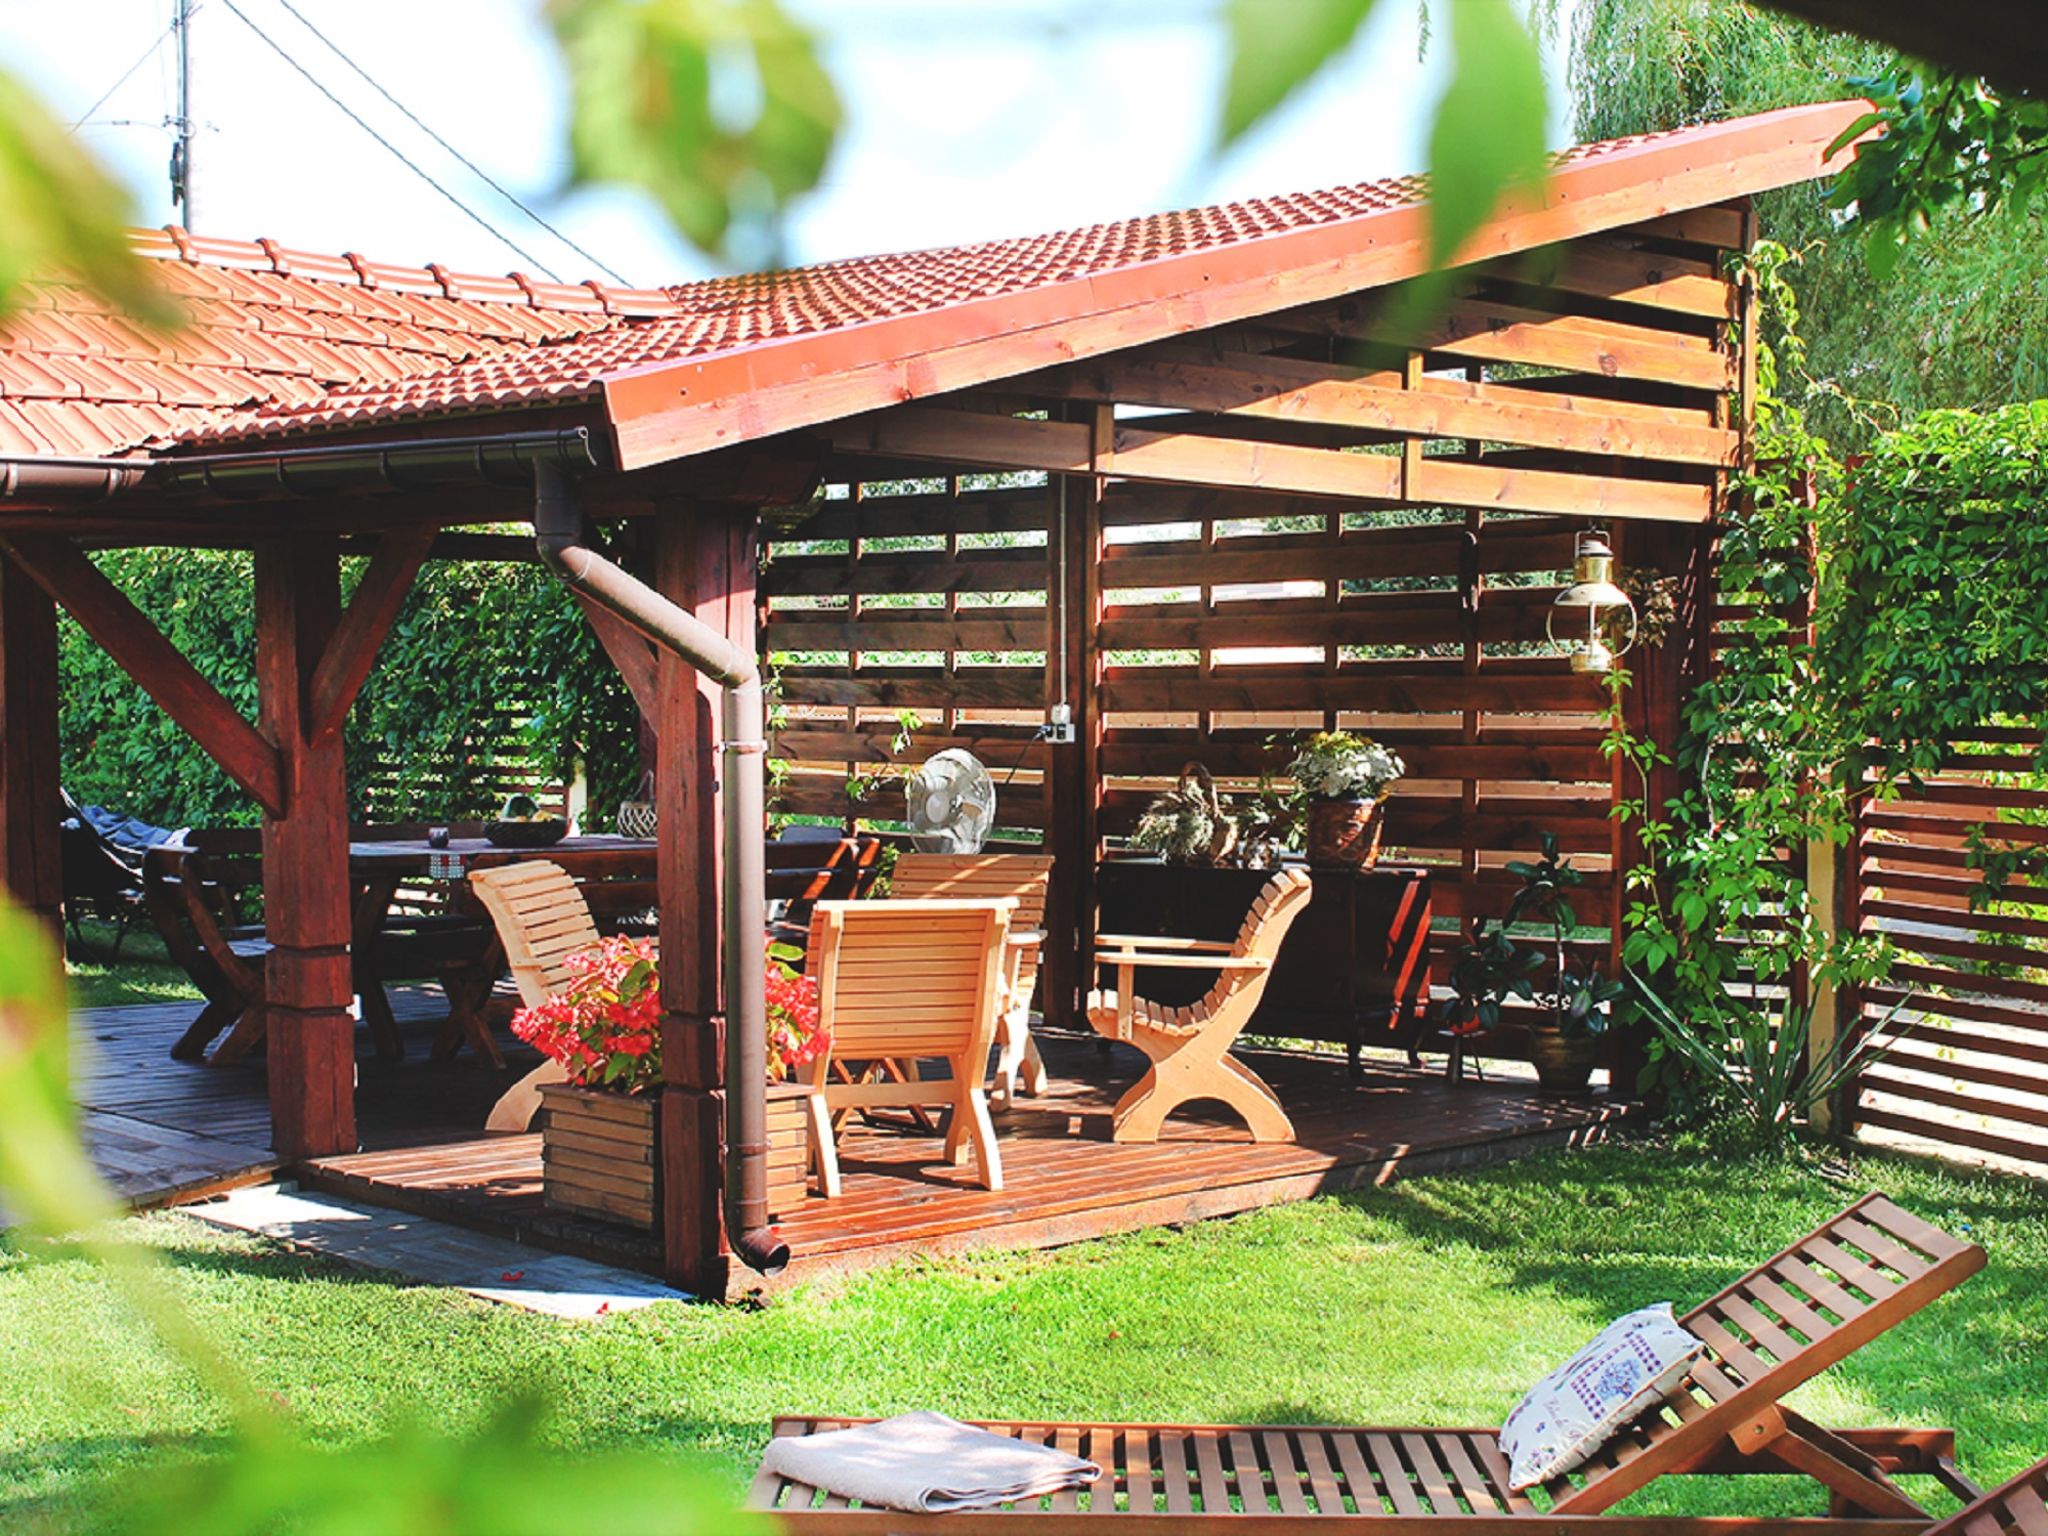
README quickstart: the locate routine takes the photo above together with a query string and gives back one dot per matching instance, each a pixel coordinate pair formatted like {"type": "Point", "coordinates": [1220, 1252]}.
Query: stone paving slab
{"type": "Point", "coordinates": [435, 1253]}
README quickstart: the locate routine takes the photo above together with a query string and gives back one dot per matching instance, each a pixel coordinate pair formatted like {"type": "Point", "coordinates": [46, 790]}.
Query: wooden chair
{"type": "Point", "coordinates": [1841, 1285]}
{"type": "Point", "coordinates": [1190, 1047]}
{"type": "Point", "coordinates": [802, 874]}
{"type": "Point", "coordinates": [2016, 1508]}
{"type": "Point", "coordinates": [1025, 876]}
{"type": "Point", "coordinates": [542, 919]}
{"type": "Point", "coordinates": [907, 981]}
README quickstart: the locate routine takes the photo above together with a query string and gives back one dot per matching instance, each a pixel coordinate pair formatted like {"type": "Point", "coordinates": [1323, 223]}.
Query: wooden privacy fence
{"type": "Point", "coordinates": [1314, 520]}
{"type": "Point", "coordinates": [1972, 1073]}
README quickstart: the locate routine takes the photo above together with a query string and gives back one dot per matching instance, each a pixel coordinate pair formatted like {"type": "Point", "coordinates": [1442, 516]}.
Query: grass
{"type": "Point", "coordinates": [145, 972]}
{"type": "Point", "coordinates": [1434, 1301]}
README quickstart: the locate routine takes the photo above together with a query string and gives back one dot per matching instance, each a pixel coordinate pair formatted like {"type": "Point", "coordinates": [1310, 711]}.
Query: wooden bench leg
{"type": "Point", "coordinates": [243, 1038]}
{"type": "Point", "coordinates": [824, 1151]}
{"type": "Point", "coordinates": [219, 1013]}
{"type": "Point", "coordinates": [971, 1127]}
{"type": "Point", "coordinates": [1184, 1077]}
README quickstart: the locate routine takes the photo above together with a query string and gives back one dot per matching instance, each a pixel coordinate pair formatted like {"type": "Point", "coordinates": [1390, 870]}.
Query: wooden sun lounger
{"type": "Point", "coordinates": [1850, 1279]}
{"type": "Point", "coordinates": [2017, 1508]}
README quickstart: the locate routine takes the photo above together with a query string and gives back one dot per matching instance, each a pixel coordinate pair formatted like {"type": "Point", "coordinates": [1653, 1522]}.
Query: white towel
{"type": "Point", "coordinates": [925, 1463]}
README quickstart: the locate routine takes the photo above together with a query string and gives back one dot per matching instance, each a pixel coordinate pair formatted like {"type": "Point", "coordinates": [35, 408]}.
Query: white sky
{"type": "Point", "coordinates": [966, 120]}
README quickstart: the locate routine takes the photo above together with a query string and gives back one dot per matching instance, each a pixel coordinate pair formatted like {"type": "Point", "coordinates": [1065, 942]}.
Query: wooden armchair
{"type": "Point", "coordinates": [1190, 1047]}
{"type": "Point", "coordinates": [1025, 876]}
{"type": "Point", "coordinates": [907, 981]}
{"type": "Point", "coordinates": [542, 919]}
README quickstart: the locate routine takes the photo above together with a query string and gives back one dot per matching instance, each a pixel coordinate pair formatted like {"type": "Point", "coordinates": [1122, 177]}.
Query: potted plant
{"type": "Point", "coordinates": [1345, 779]}
{"type": "Point", "coordinates": [597, 1128]}
{"type": "Point", "coordinates": [1188, 824]}
{"type": "Point", "coordinates": [1572, 994]}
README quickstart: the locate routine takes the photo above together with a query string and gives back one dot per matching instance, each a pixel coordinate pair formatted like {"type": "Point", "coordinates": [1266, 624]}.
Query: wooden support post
{"type": "Point", "coordinates": [1824, 895]}
{"type": "Point", "coordinates": [705, 560]}
{"type": "Point", "coordinates": [307, 980]}
{"type": "Point", "coordinates": [31, 804]}
{"type": "Point", "coordinates": [1074, 770]}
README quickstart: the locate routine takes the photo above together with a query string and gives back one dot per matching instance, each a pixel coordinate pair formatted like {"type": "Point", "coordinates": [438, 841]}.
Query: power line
{"type": "Point", "coordinates": [411, 117]}
{"type": "Point", "coordinates": [396, 153]}
{"type": "Point", "coordinates": [126, 75]}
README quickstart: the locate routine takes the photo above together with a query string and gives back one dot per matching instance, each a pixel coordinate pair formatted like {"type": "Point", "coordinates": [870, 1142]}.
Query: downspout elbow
{"type": "Point", "coordinates": [558, 528]}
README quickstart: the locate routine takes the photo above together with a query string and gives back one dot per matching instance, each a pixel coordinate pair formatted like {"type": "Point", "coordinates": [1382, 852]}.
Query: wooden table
{"type": "Point", "coordinates": [1353, 969]}
{"type": "Point", "coordinates": [377, 871]}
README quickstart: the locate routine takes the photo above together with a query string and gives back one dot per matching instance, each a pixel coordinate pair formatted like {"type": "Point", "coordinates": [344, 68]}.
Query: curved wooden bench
{"type": "Point", "coordinates": [1190, 1047]}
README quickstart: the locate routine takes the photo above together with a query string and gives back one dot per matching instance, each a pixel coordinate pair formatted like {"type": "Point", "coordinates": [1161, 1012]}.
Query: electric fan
{"type": "Point", "coordinates": [950, 803]}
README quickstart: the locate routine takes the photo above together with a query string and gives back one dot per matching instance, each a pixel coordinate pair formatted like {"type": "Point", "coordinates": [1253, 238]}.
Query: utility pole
{"type": "Point", "coordinates": [181, 149]}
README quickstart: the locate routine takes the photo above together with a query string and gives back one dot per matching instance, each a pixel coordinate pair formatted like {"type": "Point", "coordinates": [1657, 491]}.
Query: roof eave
{"type": "Point", "coordinates": [671, 410]}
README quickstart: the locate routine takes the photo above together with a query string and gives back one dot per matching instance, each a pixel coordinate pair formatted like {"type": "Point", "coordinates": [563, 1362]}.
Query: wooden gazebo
{"type": "Point", "coordinates": [1238, 503]}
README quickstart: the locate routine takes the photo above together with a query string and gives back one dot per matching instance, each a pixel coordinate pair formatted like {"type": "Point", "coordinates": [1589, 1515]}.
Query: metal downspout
{"type": "Point", "coordinates": [558, 530]}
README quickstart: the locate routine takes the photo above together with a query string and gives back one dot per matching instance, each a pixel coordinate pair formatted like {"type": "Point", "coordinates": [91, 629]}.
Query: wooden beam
{"type": "Point", "coordinates": [1331, 394]}
{"type": "Point", "coordinates": [308, 983]}
{"type": "Point", "coordinates": [631, 652]}
{"type": "Point", "coordinates": [126, 633]}
{"type": "Point", "coordinates": [668, 410]}
{"type": "Point", "coordinates": [352, 651]}
{"type": "Point", "coordinates": [1134, 452]}
{"type": "Point", "coordinates": [31, 800]}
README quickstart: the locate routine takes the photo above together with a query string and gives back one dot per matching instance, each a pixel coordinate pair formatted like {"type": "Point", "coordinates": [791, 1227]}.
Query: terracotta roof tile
{"type": "Point", "coordinates": [283, 340]}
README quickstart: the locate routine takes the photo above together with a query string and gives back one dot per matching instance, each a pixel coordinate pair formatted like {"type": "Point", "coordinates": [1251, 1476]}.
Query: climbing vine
{"type": "Point", "coordinates": [1718, 915]}
{"type": "Point", "coordinates": [486, 662]}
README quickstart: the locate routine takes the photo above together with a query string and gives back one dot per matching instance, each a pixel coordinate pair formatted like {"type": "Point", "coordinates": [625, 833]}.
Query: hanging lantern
{"type": "Point", "coordinates": [1593, 618]}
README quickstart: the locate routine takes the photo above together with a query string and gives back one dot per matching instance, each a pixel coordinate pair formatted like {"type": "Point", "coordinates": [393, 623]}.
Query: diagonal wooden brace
{"type": "Point", "coordinates": [104, 611]}
{"type": "Point", "coordinates": [1854, 1479]}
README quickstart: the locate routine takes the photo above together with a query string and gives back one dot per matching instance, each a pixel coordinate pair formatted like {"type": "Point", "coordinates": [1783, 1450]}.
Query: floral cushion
{"type": "Point", "coordinates": [1636, 1361]}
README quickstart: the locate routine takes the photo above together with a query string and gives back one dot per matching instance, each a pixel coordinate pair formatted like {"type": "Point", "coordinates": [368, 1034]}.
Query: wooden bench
{"type": "Point", "coordinates": [205, 895]}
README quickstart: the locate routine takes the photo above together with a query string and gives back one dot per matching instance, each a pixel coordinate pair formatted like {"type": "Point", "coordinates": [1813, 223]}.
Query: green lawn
{"type": "Point", "coordinates": [1435, 1301]}
{"type": "Point", "coordinates": [144, 973]}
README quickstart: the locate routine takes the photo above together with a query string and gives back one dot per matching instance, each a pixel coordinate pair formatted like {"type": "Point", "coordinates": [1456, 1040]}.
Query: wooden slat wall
{"type": "Point", "coordinates": [956, 629]}
{"type": "Point", "coordinates": [1313, 520]}
{"type": "Point", "coordinates": [1973, 1074]}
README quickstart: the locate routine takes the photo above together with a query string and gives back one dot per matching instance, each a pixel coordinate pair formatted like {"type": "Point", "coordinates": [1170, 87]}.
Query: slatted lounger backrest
{"type": "Point", "coordinates": [541, 918]}
{"type": "Point", "coordinates": [1783, 1323]}
{"type": "Point", "coordinates": [2017, 1508]}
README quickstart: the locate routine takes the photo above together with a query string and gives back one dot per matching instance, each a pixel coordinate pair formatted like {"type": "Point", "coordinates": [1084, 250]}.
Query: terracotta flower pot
{"type": "Point", "coordinates": [1344, 834]}
{"type": "Point", "coordinates": [1564, 1063]}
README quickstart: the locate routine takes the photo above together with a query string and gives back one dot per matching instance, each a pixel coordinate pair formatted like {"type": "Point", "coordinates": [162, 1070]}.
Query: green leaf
{"type": "Point", "coordinates": [48, 1182]}
{"type": "Point", "coordinates": [718, 108]}
{"type": "Point", "coordinates": [1277, 46]}
{"type": "Point", "coordinates": [1487, 138]}
{"type": "Point", "coordinates": [62, 213]}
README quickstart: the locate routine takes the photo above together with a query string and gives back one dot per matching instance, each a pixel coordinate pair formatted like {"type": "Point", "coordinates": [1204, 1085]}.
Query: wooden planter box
{"type": "Point", "coordinates": [597, 1153]}
{"type": "Point", "coordinates": [788, 1150]}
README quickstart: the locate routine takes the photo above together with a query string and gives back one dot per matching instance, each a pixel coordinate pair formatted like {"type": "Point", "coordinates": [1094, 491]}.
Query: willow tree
{"type": "Point", "coordinates": [1960, 320]}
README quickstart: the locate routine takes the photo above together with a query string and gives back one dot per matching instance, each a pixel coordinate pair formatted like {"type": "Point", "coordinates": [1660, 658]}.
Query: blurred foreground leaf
{"type": "Point", "coordinates": [1276, 47]}
{"type": "Point", "coordinates": [60, 213]}
{"type": "Point", "coordinates": [420, 1481]}
{"type": "Point", "coordinates": [47, 1184]}
{"type": "Point", "coordinates": [1488, 136]}
{"type": "Point", "coordinates": [719, 108]}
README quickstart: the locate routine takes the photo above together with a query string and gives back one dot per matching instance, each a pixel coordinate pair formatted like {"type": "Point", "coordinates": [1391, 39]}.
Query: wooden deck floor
{"type": "Point", "coordinates": [203, 1128]}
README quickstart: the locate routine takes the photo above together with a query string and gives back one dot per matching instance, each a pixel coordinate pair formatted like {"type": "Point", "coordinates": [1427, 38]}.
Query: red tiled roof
{"type": "Point", "coordinates": [283, 341]}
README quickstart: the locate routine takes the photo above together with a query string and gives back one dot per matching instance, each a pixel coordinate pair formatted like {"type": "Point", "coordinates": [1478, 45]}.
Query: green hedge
{"type": "Point", "coordinates": [471, 638]}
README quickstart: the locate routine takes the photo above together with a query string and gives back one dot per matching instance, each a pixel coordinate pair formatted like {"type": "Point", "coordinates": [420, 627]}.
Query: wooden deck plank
{"type": "Point", "coordinates": [1067, 1181]}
